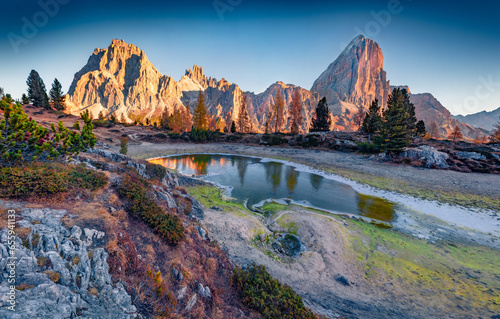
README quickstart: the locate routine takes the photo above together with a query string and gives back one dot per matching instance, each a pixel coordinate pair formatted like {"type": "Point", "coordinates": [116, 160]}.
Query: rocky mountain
{"type": "Point", "coordinates": [354, 79]}
{"type": "Point", "coordinates": [120, 80]}
{"type": "Point", "coordinates": [429, 109]}
{"type": "Point", "coordinates": [484, 120]}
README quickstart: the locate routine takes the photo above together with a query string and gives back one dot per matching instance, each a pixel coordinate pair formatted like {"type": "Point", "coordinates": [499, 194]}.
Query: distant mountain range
{"type": "Point", "coordinates": [120, 80]}
{"type": "Point", "coordinates": [485, 120]}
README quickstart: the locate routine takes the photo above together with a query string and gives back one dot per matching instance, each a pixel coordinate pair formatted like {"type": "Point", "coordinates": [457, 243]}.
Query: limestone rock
{"type": "Point", "coordinates": [429, 154]}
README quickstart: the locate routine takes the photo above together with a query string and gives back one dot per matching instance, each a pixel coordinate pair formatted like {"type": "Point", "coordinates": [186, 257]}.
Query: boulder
{"type": "Point", "coordinates": [429, 154]}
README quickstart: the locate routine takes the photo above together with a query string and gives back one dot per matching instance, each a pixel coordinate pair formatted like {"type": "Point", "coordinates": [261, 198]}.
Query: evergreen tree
{"type": "Point", "coordinates": [359, 117]}
{"type": "Point", "coordinates": [296, 113]}
{"type": "Point", "coordinates": [186, 119]}
{"type": "Point", "coordinates": [123, 146]}
{"type": "Point", "coordinates": [233, 127]}
{"type": "Point", "coordinates": [1, 93]}
{"type": "Point", "coordinates": [456, 134]}
{"type": "Point", "coordinates": [37, 93]}
{"type": "Point", "coordinates": [399, 123]}
{"type": "Point", "coordinates": [495, 136]}
{"type": "Point", "coordinates": [244, 123]}
{"type": "Point", "coordinates": [122, 119]}
{"type": "Point", "coordinates": [57, 97]}
{"type": "Point", "coordinates": [200, 119]}
{"type": "Point", "coordinates": [25, 99]}
{"type": "Point", "coordinates": [321, 120]}
{"type": "Point", "coordinates": [421, 131]}
{"type": "Point", "coordinates": [373, 121]}
{"type": "Point", "coordinates": [434, 131]}
{"type": "Point", "coordinates": [278, 109]}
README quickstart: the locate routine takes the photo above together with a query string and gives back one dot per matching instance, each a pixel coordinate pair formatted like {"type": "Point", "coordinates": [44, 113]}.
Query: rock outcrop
{"type": "Point", "coordinates": [61, 272]}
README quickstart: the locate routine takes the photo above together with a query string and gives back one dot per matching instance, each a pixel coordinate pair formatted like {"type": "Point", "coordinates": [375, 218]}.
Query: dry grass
{"type": "Point", "coordinates": [54, 276]}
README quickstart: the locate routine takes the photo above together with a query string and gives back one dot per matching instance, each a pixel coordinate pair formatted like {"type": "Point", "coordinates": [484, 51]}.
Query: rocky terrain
{"type": "Point", "coordinates": [120, 80]}
{"type": "Point", "coordinates": [82, 255]}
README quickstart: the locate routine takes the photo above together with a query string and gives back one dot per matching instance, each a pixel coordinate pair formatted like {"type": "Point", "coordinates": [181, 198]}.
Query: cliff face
{"type": "Point", "coordinates": [120, 80]}
{"type": "Point", "coordinates": [356, 76]}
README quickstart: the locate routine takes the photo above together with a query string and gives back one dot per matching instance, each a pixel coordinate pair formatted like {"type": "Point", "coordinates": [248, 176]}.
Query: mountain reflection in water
{"type": "Point", "coordinates": [255, 180]}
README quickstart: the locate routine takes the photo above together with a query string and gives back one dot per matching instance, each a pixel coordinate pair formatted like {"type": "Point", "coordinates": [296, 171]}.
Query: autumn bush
{"type": "Point", "coordinates": [259, 291]}
{"type": "Point", "coordinates": [156, 171]}
{"type": "Point", "coordinates": [39, 179]}
{"type": "Point", "coordinates": [137, 191]}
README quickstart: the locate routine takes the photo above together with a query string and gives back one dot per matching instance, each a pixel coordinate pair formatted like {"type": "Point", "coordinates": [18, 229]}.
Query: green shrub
{"type": "Point", "coordinates": [156, 171]}
{"type": "Point", "coordinates": [369, 148]}
{"type": "Point", "coordinates": [123, 146]}
{"type": "Point", "coordinates": [136, 190]}
{"type": "Point", "coordinates": [259, 291]}
{"type": "Point", "coordinates": [202, 136]}
{"type": "Point", "coordinates": [272, 139]}
{"type": "Point", "coordinates": [22, 138]}
{"type": "Point", "coordinates": [39, 179]}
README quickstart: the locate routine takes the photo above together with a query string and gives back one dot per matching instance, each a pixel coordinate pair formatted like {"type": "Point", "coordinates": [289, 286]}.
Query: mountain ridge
{"type": "Point", "coordinates": [120, 80]}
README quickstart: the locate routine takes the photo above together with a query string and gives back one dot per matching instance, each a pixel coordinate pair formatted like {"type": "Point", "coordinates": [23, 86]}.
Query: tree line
{"type": "Point", "coordinates": [392, 129]}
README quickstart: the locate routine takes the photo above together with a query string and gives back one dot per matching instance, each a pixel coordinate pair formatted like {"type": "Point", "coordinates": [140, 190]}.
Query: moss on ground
{"type": "Point", "coordinates": [210, 196]}
{"type": "Point", "coordinates": [272, 208]}
{"type": "Point", "coordinates": [455, 272]}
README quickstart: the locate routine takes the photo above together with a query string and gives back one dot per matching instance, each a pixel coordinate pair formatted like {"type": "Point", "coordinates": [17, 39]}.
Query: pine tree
{"type": "Point", "coordinates": [123, 146]}
{"type": "Point", "coordinates": [200, 119]}
{"type": "Point", "coordinates": [57, 97]}
{"type": "Point", "coordinates": [100, 116]}
{"type": "Point", "coordinates": [421, 131]}
{"type": "Point", "coordinates": [186, 119]}
{"type": "Point", "coordinates": [358, 118]}
{"type": "Point", "coordinates": [495, 136]}
{"type": "Point", "coordinates": [37, 93]}
{"type": "Point", "coordinates": [233, 127]}
{"type": "Point", "coordinates": [2, 92]}
{"type": "Point", "coordinates": [373, 121]}
{"type": "Point", "coordinates": [278, 109]}
{"type": "Point", "coordinates": [321, 120]}
{"type": "Point", "coordinates": [399, 123]}
{"type": "Point", "coordinates": [244, 123]}
{"type": "Point", "coordinates": [122, 119]}
{"type": "Point", "coordinates": [434, 131]}
{"type": "Point", "coordinates": [229, 121]}
{"type": "Point", "coordinates": [456, 134]}
{"type": "Point", "coordinates": [25, 99]}
{"type": "Point", "coordinates": [296, 113]}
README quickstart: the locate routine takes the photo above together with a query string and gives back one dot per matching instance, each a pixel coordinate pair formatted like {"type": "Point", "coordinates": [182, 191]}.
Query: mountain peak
{"type": "Point", "coordinates": [356, 76]}
{"type": "Point", "coordinates": [196, 74]}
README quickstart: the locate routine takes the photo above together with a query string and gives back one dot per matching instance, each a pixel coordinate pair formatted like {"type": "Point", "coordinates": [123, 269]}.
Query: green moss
{"type": "Point", "coordinates": [210, 196]}
{"type": "Point", "coordinates": [272, 208]}
{"type": "Point", "coordinates": [449, 270]}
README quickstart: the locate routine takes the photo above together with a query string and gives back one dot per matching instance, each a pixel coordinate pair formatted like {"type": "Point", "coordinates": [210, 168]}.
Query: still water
{"type": "Point", "coordinates": [255, 180]}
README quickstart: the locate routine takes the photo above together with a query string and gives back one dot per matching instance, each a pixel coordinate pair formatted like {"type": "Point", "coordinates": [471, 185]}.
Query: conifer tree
{"type": "Point", "coordinates": [399, 125]}
{"type": "Point", "coordinates": [433, 130]}
{"type": "Point", "coordinates": [456, 134]}
{"type": "Point", "coordinates": [421, 131]}
{"type": "Point", "coordinates": [233, 127]}
{"type": "Point", "coordinates": [373, 121]}
{"type": "Point", "coordinates": [200, 119]}
{"type": "Point", "coordinates": [25, 99]}
{"type": "Point", "coordinates": [296, 113]}
{"type": "Point", "coordinates": [57, 97]}
{"type": "Point", "coordinates": [359, 117]}
{"type": "Point", "coordinates": [37, 93]}
{"type": "Point", "coordinates": [244, 123]}
{"type": "Point", "coordinates": [278, 110]}
{"type": "Point", "coordinates": [321, 120]}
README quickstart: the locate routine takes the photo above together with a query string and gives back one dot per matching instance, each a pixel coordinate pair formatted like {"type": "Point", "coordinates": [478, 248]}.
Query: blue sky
{"type": "Point", "coordinates": [450, 49]}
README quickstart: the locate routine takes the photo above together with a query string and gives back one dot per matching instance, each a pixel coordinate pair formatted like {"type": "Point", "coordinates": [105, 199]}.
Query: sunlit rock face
{"type": "Point", "coordinates": [121, 80]}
